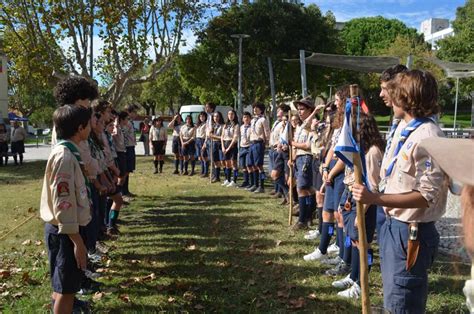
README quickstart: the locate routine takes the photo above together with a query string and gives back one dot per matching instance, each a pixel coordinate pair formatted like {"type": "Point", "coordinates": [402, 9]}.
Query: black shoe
{"type": "Point", "coordinates": [214, 180]}
{"type": "Point", "coordinates": [340, 269]}
{"type": "Point", "coordinates": [191, 174]}
{"type": "Point", "coordinates": [185, 173]}
{"type": "Point", "coordinates": [252, 188]}
{"type": "Point", "coordinates": [244, 185]}
{"type": "Point", "coordinates": [156, 171]}
{"type": "Point", "coordinates": [89, 286]}
{"type": "Point", "coordinates": [176, 172]}
{"type": "Point", "coordinates": [259, 190]}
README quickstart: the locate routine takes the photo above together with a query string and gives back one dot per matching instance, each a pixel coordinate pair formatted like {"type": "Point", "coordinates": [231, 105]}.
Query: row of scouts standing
{"type": "Point", "coordinates": [404, 192]}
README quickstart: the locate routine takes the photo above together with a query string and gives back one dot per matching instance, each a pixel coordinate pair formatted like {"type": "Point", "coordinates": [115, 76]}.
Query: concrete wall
{"type": "Point", "coordinates": [3, 87]}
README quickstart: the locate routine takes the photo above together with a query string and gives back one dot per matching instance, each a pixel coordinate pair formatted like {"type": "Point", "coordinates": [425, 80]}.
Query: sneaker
{"type": "Point", "coordinates": [333, 248]}
{"type": "Point", "coordinates": [252, 188]}
{"type": "Point", "coordinates": [284, 202]}
{"type": "Point", "coordinates": [316, 255]}
{"type": "Point", "coordinates": [113, 232]}
{"type": "Point", "coordinates": [243, 185]}
{"type": "Point", "coordinates": [176, 172]}
{"type": "Point", "coordinates": [312, 235]}
{"type": "Point", "coordinates": [343, 283]}
{"type": "Point", "coordinates": [259, 190]}
{"type": "Point", "coordinates": [277, 195]}
{"type": "Point", "coordinates": [225, 183]}
{"type": "Point", "coordinates": [192, 173]}
{"type": "Point", "coordinates": [214, 180]}
{"type": "Point", "coordinates": [273, 192]}
{"type": "Point", "coordinates": [351, 293]}
{"type": "Point", "coordinates": [333, 261]}
{"type": "Point", "coordinates": [91, 275]}
{"type": "Point", "coordinates": [89, 286]}
{"type": "Point", "coordinates": [340, 269]}
{"type": "Point", "coordinates": [94, 257]}
{"type": "Point", "coordinates": [185, 173]}
{"type": "Point", "coordinates": [231, 184]}
{"type": "Point", "coordinates": [101, 247]}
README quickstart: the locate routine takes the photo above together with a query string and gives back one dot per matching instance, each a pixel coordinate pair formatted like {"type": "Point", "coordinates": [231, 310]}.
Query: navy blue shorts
{"type": "Point", "coordinates": [158, 147]}
{"type": "Point", "coordinates": [349, 217]}
{"type": "Point", "coordinates": [188, 150]}
{"type": "Point", "coordinates": [176, 145]}
{"type": "Point", "coordinates": [121, 161]}
{"type": "Point", "coordinates": [257, 153]}
{"type": "Point", "coordinates": [200, 152]}
{"type": "Point", "coordinates": [131, 162]}
{"type": "Point", "coordinates": [271, 158]}
{"type": "Point", "coordinates": [217, 154]}
{"type": "Point", "coordinates": [304, 171]}
{"type": "Point", "coordinates": [317, 177]}
{"type": "Point", "coordinates": [280, 162]}
{"type": "Point", "coordinates": [65, 276]}
{"type": "Point", "coordinates": [334, 191]}
{"type": "Point", "coordinates": [3, 148]}
{"type": "Point", "coordinates": [232, 153]}
{"type": "Point", "coordinates": [18, 147]}
{"type": "Point", "coordinates": [244, 156]}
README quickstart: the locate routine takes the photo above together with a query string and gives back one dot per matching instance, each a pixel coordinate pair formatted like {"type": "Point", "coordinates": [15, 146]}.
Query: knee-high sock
{"type": "Point", "coordinates": [252, 179]}
{"type": "Point", "coordinates": [15, 159]}
{"type": "Point", "coordinates": [370, 258]}
{"type": "Point", "coordinates": [176, 164]}
{"type": "Point", "coordinates": [113, 215]}
{"type": "Point", "coordinates": [155, 163]}
{"type": "Point", "coordinates": [193, 165]}
{"type": "Point", "coordinates": [347, 258]}
{"type": "Point", "coordinates": [303, 209]}
{"type": "Point", "coordinates": [311, 206]}
{"type": "Point", "coordinates": [328, 231]}
{"type": "Point", "coordinates": [355, 264]}
{"type": "Point", "coordinates": [262, 178]}
{"type": "Point", "coordinates": [236, 175]}
{"type": "Point", "coordinates": [181, 165]}
{"type": "Point", "coordinates": [161, 165]}
{"type": "Point", "coordinates": [340, 241]}
{"type": "Point", "coordinates": [186, 163]}
{"type": "Point", "coordinates": [275, 186]}
{"type": "Point", "coordinates": [246, 176]}
{"type": "Point", "coordinates": [218, 173]}
{"type": "Point", "coordinates": [226, 173]}
{"type": "Point", "coordinates": [255, 178]}
{"type": "Point", "coordinates": [21, 158]}
{"type": "Point", "coordinates": [208, 163]}
{"type": "Point", "coordinates": [320, 219]}
{"type": "Point", "coordinates": [125, 189]}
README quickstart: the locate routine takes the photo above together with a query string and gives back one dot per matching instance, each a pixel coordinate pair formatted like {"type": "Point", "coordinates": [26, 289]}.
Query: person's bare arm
{"type": "Point", "coordinates": [412, 199]}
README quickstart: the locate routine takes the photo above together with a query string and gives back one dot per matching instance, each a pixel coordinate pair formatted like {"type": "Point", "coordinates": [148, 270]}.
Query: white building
{"type": "Point", "coordinates": [435, 29]}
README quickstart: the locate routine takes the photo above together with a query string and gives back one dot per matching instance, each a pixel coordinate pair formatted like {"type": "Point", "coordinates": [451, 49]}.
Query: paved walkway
{"type": "Point", "coordinates": [448, 227]}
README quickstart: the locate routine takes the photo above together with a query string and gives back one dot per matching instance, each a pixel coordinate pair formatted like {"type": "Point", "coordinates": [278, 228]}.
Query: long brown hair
{"type": "Point", "coordinates": [369, 133]}
{"type": "Point", "coordinates": [343, 93]}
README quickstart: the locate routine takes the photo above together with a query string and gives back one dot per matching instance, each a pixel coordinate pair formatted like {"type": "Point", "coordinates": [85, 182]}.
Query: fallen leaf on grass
{"type": "Point", "coordinates": [125, 298]}
{"type": "Point", "coordinates": [278, 242]}
{"type": "Point", "coordinates": [149, 277]}
{"type": "Point", "coordinates": [297, 303]}
{"type": "Point", "coordinates": [38, 243]}
{"type": "Point", "coordinates": [4, 273]}
{"type": "Point", "coordinates": [224, 264]}
{"type": "Point", "coordinates": [6, 293]}
{"type": "Point", "coordinates": [199, 307]}
{"type": "Point", "coordinates": [283, 294]}
{"type": "Point", "coordinates": [26, 242]}
{"type": "Point", "coordinates": [191, 247]}
{"type": "Point", "coordinates": [216, 221]}
{"type": "Point", "coordinates": [312, 296]}
{"type": "Point", "coordinates": [171, 299]}
{"type": "Point", "coordinates": [133, 261]}
{"type": "Point", "coordinates": [97, 296]}
{"type": "Point", "coordinates": [189, 296]}
{"type": "Point", "coordinates": [18, 295]}
{"type": "Point", "coordinates": [268, 262]}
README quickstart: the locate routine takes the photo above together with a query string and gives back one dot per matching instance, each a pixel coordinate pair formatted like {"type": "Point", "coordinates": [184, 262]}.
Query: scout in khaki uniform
{"type": "Point", "coordinates": [229, 143]}
{"type": "Point", "coordinates": [272, 148]}
{"type": "Point", "coordinates": [207, 146]}
{"type": "Point", "coordinates": [17, 139]}
{"type": "Point", "coordinates": [65, 208]}
{"type": "Point", "coordinates": [301, 145]}
{"type": "Point", "coordinates": [244, 153]}
{"type": "Point", "coordinates": [187, 135]}
{"type": "Point", "coordinates": [281, 155]}
{"type": "Point", "coordinates": [259, 138]}
{"type": "Point", "coordinates": [4, 140]}
{"type": "Point", "coordinates": [215, 144]}
{"type": "Point", "coordinates": [176, 124]}
{"type": "Point", "coordinates": [158, 139]}
{"type": "Point", "coordinates": [414, 198]}
{"type": "Point", "coordinates": [201, 153]}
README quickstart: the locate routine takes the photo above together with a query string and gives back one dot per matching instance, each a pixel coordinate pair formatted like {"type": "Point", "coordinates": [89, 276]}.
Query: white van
{"type": "Point", "coordinates": [195, 110]}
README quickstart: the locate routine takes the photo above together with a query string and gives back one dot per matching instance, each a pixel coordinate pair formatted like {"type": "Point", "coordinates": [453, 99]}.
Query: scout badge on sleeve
{"type": "Point", "coordinates": [413, 245]}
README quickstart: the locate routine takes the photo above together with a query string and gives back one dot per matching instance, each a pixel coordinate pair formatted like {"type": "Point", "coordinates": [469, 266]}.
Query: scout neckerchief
{"type": "Point", "coordinates": [412, 126]}
{"type": "Point", "coordinates": [275, 124]}
{"type": "Point", "coordinates": [187, 131]}
{"type": "Point", "coordinates": [76, 154]}
{"type": "Point", "coordinates": [246, 127]}
{"type": "Point", "coordinates": [254, 126]}
{"type": "Point", "coordinates": [229, 129]}
{"type": "Point", "coordinates": [218, 129]}
{"type": "Point", "coordinates": [395, 124]}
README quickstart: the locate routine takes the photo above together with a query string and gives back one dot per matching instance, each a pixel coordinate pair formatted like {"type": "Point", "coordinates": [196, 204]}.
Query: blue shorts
{"type": "Point", "coordinates": [257, 153]}
{"type": "Point", "coordinates": [271, 159]}
{"type": "Point", "coordinates": [121, 161]}
{"type": "Point", "coordinates": [66, 278]}
{"type": "Point", "coordinates": [176, 145]}
{"type": "Point", "coordinates": [350, 217]}
{"type": "Point", "coordinates": [188, 150]}
{"type": "Point", "coordinates": [232, 153]}
{"type": "Point", "coordinates": [280, 162]}
{"type": "Point", "coordinates": [317, 177]}
{"type": "Point", "coordinates": [217, 154]}
{"type": "Point", "coordinates": [334, 191]}
{"type": "Point", "coordinates": [200, 152]}
{"type": "Point", "coordinates": [131, 162]}
{"type": "Point", "coordinates": [244, 156]}
{"type": "Point", "coordinates": [304, 171]}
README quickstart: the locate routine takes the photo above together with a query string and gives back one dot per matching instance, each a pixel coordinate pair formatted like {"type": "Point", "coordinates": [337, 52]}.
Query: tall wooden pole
{"type": "Point", "coordinates": [363, 246]}
{"type": "Point", "coordinates": [290, 157]}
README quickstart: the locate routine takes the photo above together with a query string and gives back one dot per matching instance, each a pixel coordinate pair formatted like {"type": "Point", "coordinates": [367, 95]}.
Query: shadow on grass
{"type": "Point", "coordinates": [29, 171]}
{"type": "Point", "coordinates": [211, 253]}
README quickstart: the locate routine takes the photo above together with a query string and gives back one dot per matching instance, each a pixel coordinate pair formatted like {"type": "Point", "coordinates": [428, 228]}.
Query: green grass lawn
{"type": "Point", "coordinates": [462, 120]}
{"type": "Point", "coordinates": [188, 246]}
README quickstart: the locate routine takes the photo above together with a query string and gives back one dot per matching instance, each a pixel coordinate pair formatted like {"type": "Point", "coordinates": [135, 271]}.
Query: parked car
{"type": "Point", "coordinates": [194, 111]}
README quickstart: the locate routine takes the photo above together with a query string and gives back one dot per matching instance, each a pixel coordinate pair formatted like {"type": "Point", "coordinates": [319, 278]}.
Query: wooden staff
{"type": "Point", "coordinates": [211, 149]}
{"type": "Point", "coordinates": [364, 272]}
{"type": "Point", "coordinates": [290, 157]}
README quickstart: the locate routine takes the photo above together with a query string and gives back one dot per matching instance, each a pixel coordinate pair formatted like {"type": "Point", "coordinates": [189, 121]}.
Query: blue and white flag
{"type": "Point", "coordinates": [284, 135]}
{"type": "Point", "coordinates": [346, 144]}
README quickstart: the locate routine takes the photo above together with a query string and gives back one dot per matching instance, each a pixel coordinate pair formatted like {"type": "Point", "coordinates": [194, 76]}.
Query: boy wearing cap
{"type": "Point", "coordinates": [414, 198]}
{"type": "Point", "coordinates": [259, 138]}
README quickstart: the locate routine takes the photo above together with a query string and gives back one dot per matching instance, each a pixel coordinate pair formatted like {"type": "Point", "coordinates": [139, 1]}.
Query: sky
{"type": "Point", "coordinates": [411, 12]}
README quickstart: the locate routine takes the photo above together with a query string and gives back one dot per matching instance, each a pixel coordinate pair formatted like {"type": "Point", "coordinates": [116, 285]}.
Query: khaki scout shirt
{"type": "Point", "coordinates": [201, 131]}
{"type": "Point", "coordinates": [119, 141]}
{"type": "Point", "coordinates": [176, 128]}
{"type": "Point", "coordinates": [187, 132]}
{"type": "Point", "coordinates": [373, 160]}
{"type": "Point", "coordinates": [230, 132]}
{"type": "Point", "coordinates": [109, 159]}
{"type": "Point", "coordinates": [64, 200]}
{"type": "Point", "coordinates": [415, 170]}
{"type": "Point", "coordinates": [129, 135]}
{"type": "Point", "coordinates": [260, 129]}
{"type": "Point", "coordinates": [275, 133]}
{"type": "Point", "coordinates": [18, 134]}
{"type": "Point", "coordinates": [158, 134]}
{"type": "Point", "coordinates": [245, 135]}
{"type": "Point", "coordinates": [217, 130]}
{"type": "Point", "coordinates": [302, 135]}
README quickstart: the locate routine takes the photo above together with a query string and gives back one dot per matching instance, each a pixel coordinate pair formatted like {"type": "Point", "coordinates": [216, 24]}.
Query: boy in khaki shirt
{"type": "Point", "coordinates": [414, 197]}
{"type": "Point", "coordinates": [65, 206]}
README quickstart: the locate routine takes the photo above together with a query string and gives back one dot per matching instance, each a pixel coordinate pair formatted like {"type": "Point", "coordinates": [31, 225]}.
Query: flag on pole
{"type": "Point", "coordinates": [284, 135]}
{"type": "Point", "coordinates": [346, 144]}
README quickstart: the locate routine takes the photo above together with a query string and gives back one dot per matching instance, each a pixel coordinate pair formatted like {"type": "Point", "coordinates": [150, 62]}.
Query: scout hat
{"type": "Point", "coordinates": [455, 157]}
{"type": "Point", "coordinates": [306, 101]}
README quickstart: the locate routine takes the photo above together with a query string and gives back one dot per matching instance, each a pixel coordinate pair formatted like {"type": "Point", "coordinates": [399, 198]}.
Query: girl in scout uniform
{"type": "Point", "coordinates": [280, 166]}
{"type": "Point", "coordinates": [245, 149]}
{"type": "Point", "coordinates": [201, 153]}
{"type": "Point", "coordinates": [229, 142]}
{"type": "Point", "coordinates": [372, 144]}
{"type": "Point", "coordinates": [176, 124]}
{"type": "Point", "coordinates": [158, 139]}
{"type": "Point", "coordinates": [187, 135]}
{"type": "Point", "coordinates": [414, 198]}
{"type": "Point", "coordinates": [333, 175]}
{"type": "Point", "coordinates": [215, 137]}
{"type": "Point", "coordinates": [301, 145]}
{"type": "Point", "coordinates": [119, 142]}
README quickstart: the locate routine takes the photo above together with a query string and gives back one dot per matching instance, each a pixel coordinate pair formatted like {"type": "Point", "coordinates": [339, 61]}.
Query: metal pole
{"type": "Point", "coordinates": [409, 61]}
{"type": "Point", "coordinates": [272, 87]}
{"type": "Point", "coordinates": [456, 103]}
{"type": "Point", "coordinates": [304, 89]}
{"type": "Point", "coordinates": [240, 111]}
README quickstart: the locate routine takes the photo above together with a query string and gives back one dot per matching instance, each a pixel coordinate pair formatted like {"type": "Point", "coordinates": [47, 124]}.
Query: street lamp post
{"type": "Point", "coordinates": [239, 104]}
